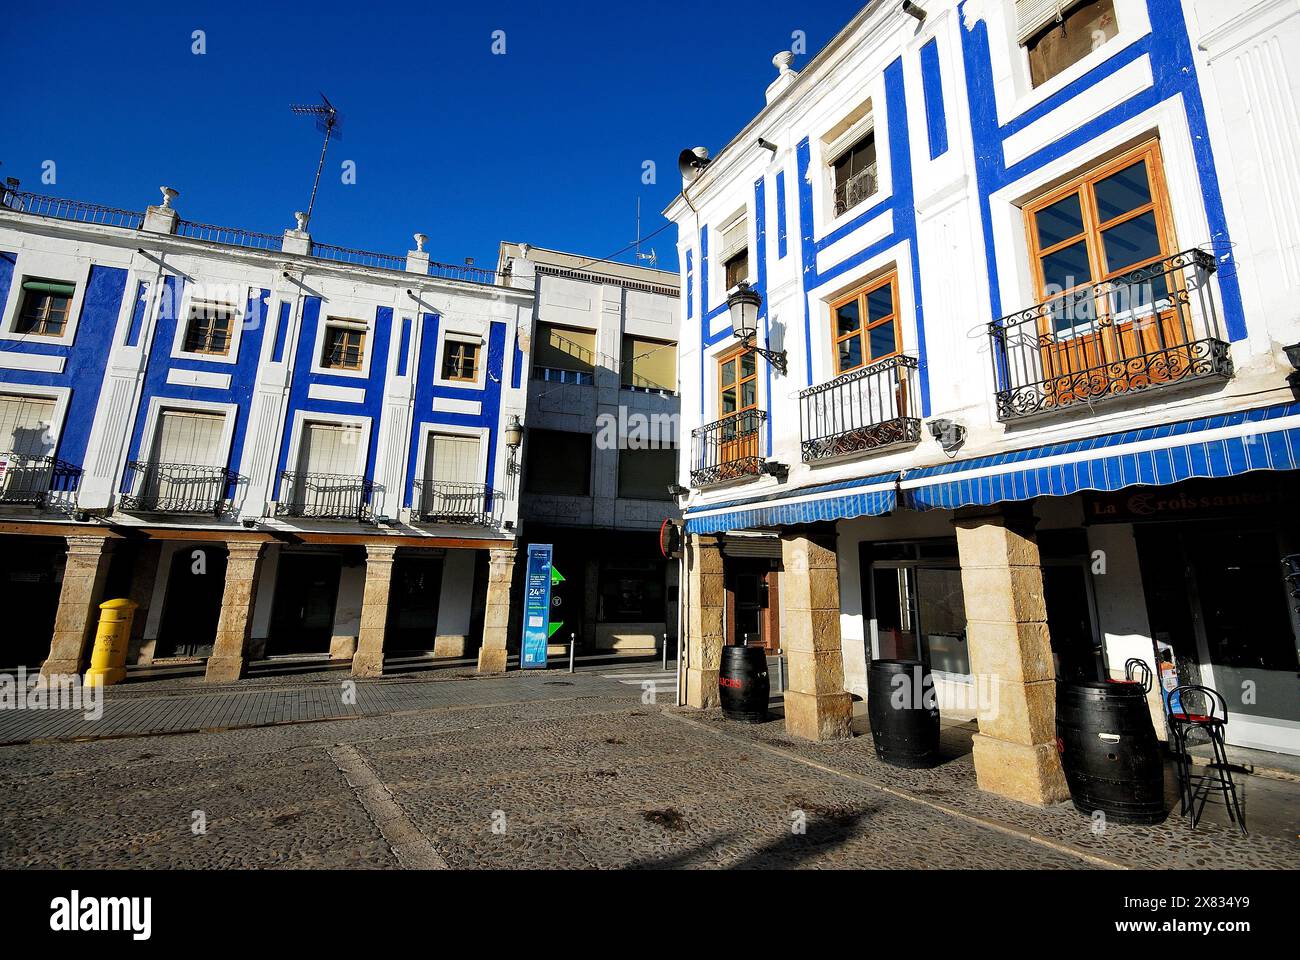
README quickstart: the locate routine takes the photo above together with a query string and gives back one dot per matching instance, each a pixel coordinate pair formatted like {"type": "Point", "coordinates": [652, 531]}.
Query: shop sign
{"type": "Point", "coordinates": [1190, 500]}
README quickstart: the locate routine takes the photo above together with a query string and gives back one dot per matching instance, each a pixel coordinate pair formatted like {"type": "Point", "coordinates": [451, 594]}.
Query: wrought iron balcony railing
{"type": "Point", "coordinates": [728, 449]}
{"type": "Point", "coordinates": [60, 208]}
{"type": "Point", "coordinates": [1156, 326]}
{"type": "Point", "coordinates": [27, 480]}
{"type": "Point", "coordinates": [866, 409]}
{"type": "Point", "coordinates": [324, 496]}
{"type": "Point", "coordinates": [187, 488]}
{"type": "Point", "coordinates": [444, 501]}
{"type": "Point", "coordinates": [856, 189]}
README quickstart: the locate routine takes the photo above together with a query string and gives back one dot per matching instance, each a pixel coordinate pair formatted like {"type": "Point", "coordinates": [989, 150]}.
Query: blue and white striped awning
{"type": "Point", "coordinates": [1219, 446]}
{"type": "Point", "coordinates": [862, 497]}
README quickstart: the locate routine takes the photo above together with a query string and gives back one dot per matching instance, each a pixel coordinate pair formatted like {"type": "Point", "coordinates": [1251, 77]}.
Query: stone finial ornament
{"type": "Point", "coordinates": [782, 62]}
{"type": "Point", "coordinates": [168, 195]}
{"type": "Point", "coordinates": [420, 241]}
{"type": "Point", "coordinates": [302, 220]}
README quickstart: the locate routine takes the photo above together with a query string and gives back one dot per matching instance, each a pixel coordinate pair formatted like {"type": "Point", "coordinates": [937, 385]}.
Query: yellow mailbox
{"type": "Point", "coordinates": [108, 661]}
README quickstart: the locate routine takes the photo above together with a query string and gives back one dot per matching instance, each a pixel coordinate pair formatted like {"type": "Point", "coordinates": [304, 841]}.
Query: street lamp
{"type": "Point", "coordinates": [743, 303]}
{"type": "Point", "coordinates": [513, 436]}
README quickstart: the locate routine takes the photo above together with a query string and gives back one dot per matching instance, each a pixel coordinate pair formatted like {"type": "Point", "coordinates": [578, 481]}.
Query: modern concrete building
{"type": "Point", "coordinates": [1021, 399]}
{"type": "Point", "coordinates": [600, 451]}
{"type": "Point", "coordinates": [274, 446]}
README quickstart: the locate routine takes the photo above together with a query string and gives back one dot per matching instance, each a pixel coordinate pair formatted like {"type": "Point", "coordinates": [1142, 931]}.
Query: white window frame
{"type": "Point", "coordinates": [33, 265]}
{"type": "Point", "coordinates": [300, 420]}
{"type": "Point", "coordinates": [823, 154]}
{"type": "Point", "coordinates": [60, 396]}
{"type": "Point", "coordinates": [429, 429]}
{"type": "Point", "coordinates": [237, 319]}
{"type": "Point", "coordinates": [344, 316]}
{"type": "Point", "coordinates": [461, 335]}
{"type": "Point", "coordinates": [153, 420]}
{"type": "Point", "coordinates": [718, 267]}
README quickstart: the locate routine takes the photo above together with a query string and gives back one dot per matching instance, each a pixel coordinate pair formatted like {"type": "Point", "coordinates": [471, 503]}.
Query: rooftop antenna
{"type": "Point", "coordinates": [651, 258]}
{"type": "Point", "coordinates": [327, 122]}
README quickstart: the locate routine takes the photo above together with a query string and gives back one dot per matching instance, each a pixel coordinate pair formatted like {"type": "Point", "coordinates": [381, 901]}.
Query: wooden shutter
{"type": "Point", "coordinates": [453, 459]}
{"type": "Point", "coordinates": [189, 437]}
{"type": "Point", "coordinates": [330, 448]}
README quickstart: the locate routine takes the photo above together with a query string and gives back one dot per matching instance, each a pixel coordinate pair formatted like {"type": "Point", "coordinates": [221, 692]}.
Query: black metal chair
{"type": "Point", "coordinates": [1202, 708]}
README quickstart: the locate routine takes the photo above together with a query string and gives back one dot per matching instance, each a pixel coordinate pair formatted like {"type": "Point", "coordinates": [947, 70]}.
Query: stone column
{"type": "Point", "coordinates": [84, 573]}
{"type": "Point", "coordinates": [229, 657]}
{"type": "Point", "coordinates": [706, 599]}
{"type": "Point", "coordinates": [369, 659]}
{"type": "Point", "coordinates": [1010, 656]}
{"type": "Point", "coordinates": [496, 611]}
{"type": "Point", "coordinates": [817, 707]}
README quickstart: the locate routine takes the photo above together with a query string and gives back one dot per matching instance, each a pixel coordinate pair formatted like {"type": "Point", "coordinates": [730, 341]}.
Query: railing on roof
{"type": "Point", "coordinates": [642, 285]}
{"type": "Point", "coordinates": [465, 271]}
{"type": "Point", "coordinates": [361, 258]}
{"type": "Point", "coordinates": [79, 211]}
{"type": "Point", "coordinates": [230, 236]}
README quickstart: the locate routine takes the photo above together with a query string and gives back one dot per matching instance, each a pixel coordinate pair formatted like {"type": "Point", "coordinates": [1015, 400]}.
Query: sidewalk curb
{"type": "Point", "coordinates": [1059, 846]}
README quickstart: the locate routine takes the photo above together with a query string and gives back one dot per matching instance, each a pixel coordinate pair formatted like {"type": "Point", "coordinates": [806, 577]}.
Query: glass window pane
{"type": "Point", "coordinates": [850, 353]}
{"type": "Point", "coordinates": [1133, 241]}
{"type": "Point", "coordinates": [749, 393]}
{"type": "Point", "coordinates": [847, 318]}
{"type": "Point", "coordinates": [1122, 191]}
{"type": "Point", "coordinates": [880, 303]}
{"type": "Point", "coordinates": [747, 365]}
{"type": "Point", "coordinates": [1059, 222]}
{"type": "Point", "coordinates": [729, 373]}
{"type": "Point", "coordinates": [882, 340]}
{"type": "Point", "coordinates": [729, 401]}
{"type": "Point", "coordinates": [1066, 268]}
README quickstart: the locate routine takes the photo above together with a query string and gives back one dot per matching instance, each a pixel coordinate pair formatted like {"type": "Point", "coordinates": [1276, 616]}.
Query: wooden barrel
{"type": "Point", "coordinates": [1109, 751]}
{"type": "Point", "coordinates": [743, 687]}
{"type": "Point", "coordinates": [904, 717]}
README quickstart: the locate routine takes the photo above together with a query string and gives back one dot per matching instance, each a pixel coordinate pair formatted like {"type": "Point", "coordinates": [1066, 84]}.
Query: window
{"type": "Point", "coordinates": [26, 426]}
{"type": "Point", "coordinates": [460, 360]}
{"type": "Point", "coordinates": [209, 328]}
{"type": "Point", "coordinates": [1058, 33]}
{"type": "Point", "coordinates": [646, 474]}
{"type": "Point", "coordinates": [735, 253]}
{"type": "Point", "coordinates": [452, 459]}
{"type": "Point", "coordinates": [865, 325]}
{"type": "Point", "coordinates": [565, 348]}
{"type": "Point", "coordinates": [190, 437]}
{"type": "Point", "coordinates": [631, 591]}
{"type": "Point", "coordinates": [737, 382]}
{"type": "Point", "coordinates": [344, 347]}
{"type": "Point", "coordinates": [330, 449]}
{"type": "Point", "coordinates": [44, 310]}
{"type": "Point", "coordinates": [1085, 241]}
{"type": "Point", "coordinates": [854, 172]}
{"type": "Point", "coordinates": [559, 462]}
{"type": "Point", "coordinates": [649, 364]}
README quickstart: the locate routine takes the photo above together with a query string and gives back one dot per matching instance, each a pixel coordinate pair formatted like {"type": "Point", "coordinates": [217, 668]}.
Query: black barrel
{"type": "Point", "coordinates": [904, 717]}
{"type": "Point", "coordinates": [742, 684]}
{"type": "Point", "coordinates": [1109, 751]}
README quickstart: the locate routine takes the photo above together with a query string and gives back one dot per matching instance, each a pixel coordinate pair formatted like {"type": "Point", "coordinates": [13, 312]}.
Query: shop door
{"type": "Point", "coordinates": [1246, 633]}
{"type": "Point", "coordinates": [192, 606]}
{"type": "Point", "coordinates": [1076, 649]}
{"type": "Point", "coordinates": [302, 618]}
{"type": "Point", "coordinates": [31, 571]}
{"type": "Point", "coordinates": [750, 620]}
{"type": "Point", "coordinates": [413, 604]}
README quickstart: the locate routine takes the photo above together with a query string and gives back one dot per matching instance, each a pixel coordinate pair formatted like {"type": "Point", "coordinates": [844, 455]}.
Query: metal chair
{"type": "Point", "coordinates": [1210, 718]}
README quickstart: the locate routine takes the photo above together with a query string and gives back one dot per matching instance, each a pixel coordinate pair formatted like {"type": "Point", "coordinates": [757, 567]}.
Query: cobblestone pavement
{"type": "Point", "coordinates": [545, 775]}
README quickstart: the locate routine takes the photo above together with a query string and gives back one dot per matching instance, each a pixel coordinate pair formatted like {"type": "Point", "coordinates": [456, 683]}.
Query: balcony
{"type": "Point", "coordinates": [183, 488]}
{"type": "Point", "coordinates": [871, 408]}
{"type": "Point", "coordinates": [855, 189]}
{"type": "Point", "coordinates": [728, 449]}
{"type": "Point", "coordinates": [32, 481]}
{"type": "Point", "coordinates": [561, 375]}
{"type": "Point", "coordinates": [463, 504]}
{"type": "Point", "coordinates": [1153, 328]}
{"type": "Point", "coordinates": [324, 496]}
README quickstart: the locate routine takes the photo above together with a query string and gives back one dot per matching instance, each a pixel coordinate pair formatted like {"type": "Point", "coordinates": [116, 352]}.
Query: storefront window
{"type": "Point", "coordinates": [631, 591]}
{"type": "Point", "coordinates": [916, 605]}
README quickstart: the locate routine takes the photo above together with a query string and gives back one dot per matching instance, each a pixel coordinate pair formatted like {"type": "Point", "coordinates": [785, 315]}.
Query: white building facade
{"type": "Point", "coordinates": [1032, 268]}
{"type": "Point", "coordinates": [275, 447]}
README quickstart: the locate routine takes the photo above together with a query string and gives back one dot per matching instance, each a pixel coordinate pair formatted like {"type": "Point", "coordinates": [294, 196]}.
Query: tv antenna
{"type": "Point", "coordinates": [651, 258]}
{"type": "Point", "coordinates": [328, 122]}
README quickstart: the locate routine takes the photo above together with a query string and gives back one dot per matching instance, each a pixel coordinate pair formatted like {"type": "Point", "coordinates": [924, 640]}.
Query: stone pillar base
{"type": "Point", "coordinates": [60, 672]}
{"type": "Point", "coordinates": [825, 716]}
{"type": "Point", "coordinates": [368, 665]}
{"type": "Point", "coordinates": [450, 645]}
{"type": "Point", "coordinates": [492, 660]}
{"type": "Point", "coordinates": [702, 688]}
{"type": "Point", "coordinates": [225, 669]}
{"type": "Point", "coordinates": [343, 648]}
{"type": "Point", "coordinates": [1028, 773]}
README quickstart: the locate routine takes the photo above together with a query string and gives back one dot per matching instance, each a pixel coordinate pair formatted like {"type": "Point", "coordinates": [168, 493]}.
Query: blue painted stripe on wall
{"type": "Point", "coordinates": [281, 333]}
{"type": "Point", "coordinates": [517, 365]}
{"type": "Point", "coordinates": [404, 346]}
{"type": "Point", "coordinates": [781, 245]}
{"type": "Point", "coordinates": [936, 120]}
{"type": "Point", "coordinates": [137, 314]}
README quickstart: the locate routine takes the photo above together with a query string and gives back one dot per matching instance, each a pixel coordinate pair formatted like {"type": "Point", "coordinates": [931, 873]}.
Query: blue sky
{"type": "Point", "coordinates": [544, 144]}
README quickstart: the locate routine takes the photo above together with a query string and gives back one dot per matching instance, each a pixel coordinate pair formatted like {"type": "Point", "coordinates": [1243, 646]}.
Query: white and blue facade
{"type": "Point", "coordinates": [966, 412]}
{"type": "Point", "coordinates": [325, 465]}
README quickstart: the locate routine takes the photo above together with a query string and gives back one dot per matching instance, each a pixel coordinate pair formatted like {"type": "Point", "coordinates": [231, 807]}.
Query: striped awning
{"type": "Point", "coordinates": [1219, 446]}
{"type": "Point", "coordinates": [863, 497]}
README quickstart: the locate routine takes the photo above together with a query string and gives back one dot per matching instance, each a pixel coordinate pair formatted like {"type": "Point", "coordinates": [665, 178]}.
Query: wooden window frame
{"type": "Point", "coordinates": [733, 356]}
{"type": "Point", "coordinates": [1093, 228]}
{"type": "Point", "coordinates": [199, 333]}
{"type": "Point", "coordinates": [327, 350]}
{"type": "Point", "coordinates": [40, 325]}
{"type": "Point", "coordinates": [458, 358]}
{"type": "Point", "coordinates": [865, 325]}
